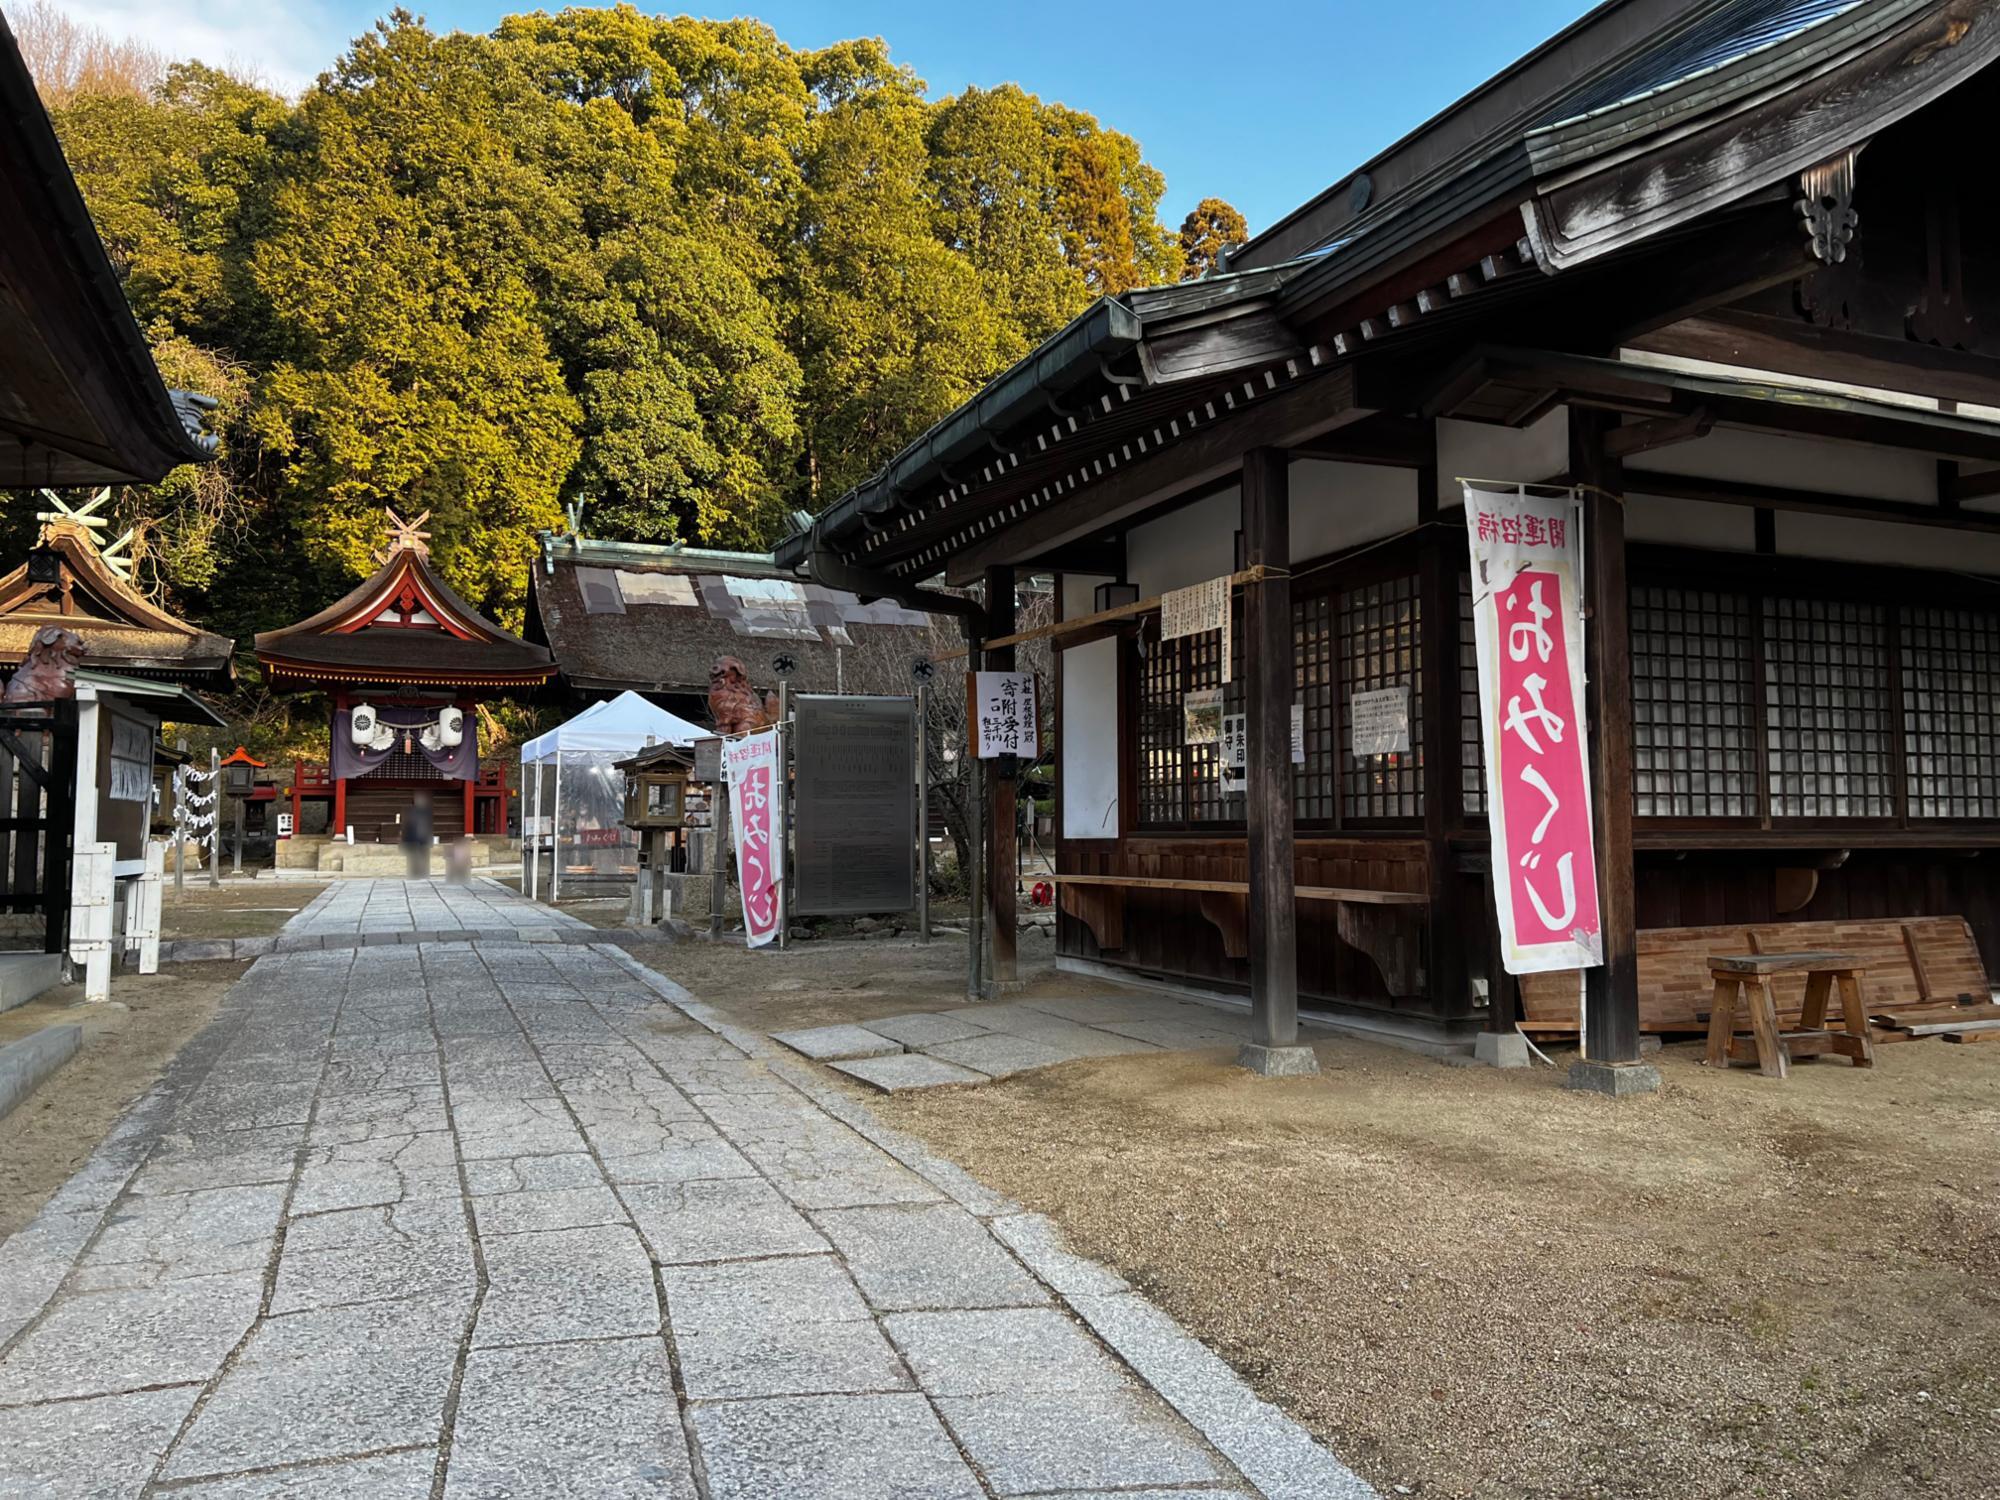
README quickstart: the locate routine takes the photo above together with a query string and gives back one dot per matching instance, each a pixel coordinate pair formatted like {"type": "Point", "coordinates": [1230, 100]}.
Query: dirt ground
{"type": "Point", "coordinates": [821, 983]}
{"type": "Point", "coordinates": [127, 1041]}
{"type": "Point", "coordinates": [1478, 1284]}
{"type": "Point", "coordinates": [236, 908]}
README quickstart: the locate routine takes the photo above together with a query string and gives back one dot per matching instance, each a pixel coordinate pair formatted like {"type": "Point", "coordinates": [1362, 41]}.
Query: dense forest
{"type": "Point", "coordinates": [674, 269]}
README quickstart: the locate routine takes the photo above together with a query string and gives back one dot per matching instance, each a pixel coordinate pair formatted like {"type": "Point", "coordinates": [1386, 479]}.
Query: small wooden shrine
{"type": "Point", "coordinates": [405, 664]}
{"type": "Point", "coordinates": [77, 581]}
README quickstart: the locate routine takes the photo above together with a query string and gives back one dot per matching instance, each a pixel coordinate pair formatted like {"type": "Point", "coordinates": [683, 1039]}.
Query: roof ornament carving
{"type": "Point", "coordinates": [405, 536]}
{"type": "Point", "coordinates": [84, 522]}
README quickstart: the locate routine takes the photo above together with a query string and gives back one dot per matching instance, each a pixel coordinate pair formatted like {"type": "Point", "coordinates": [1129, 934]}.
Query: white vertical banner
{"type": "Point", "coordinates": [751, 765]}
{"type": "Point", "coordinates": [1527, 579]}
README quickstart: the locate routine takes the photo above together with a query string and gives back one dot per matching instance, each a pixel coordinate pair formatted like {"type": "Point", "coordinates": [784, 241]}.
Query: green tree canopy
{"type": "Point", "coordinates": [673, 268]}
{"type": "Point", "coordinates": [1212, 227]}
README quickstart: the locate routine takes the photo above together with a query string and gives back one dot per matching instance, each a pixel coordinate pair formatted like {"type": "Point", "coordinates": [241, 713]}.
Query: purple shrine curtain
{"type": "Point", "coordinates": [458, 762]}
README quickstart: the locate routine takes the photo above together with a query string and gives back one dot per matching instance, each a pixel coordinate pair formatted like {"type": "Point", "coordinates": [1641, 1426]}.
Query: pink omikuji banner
{"type": "Point", "coordinates": [750, 765]}
{"type": "Point", "coordinates": [1527, 570]}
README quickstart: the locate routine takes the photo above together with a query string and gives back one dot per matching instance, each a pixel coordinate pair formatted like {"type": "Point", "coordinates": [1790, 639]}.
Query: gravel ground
{"type": "Point", "coordinates": [236, 908]}
{"type": "Point", "coordinates": [1477, 1284]}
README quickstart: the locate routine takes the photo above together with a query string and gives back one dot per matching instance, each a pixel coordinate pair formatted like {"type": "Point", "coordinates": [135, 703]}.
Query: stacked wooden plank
{"type": "Point", "coordinates": [1910, 964]}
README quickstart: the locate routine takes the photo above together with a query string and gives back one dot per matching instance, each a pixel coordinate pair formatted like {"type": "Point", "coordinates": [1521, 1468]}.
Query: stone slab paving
{"type": "Point", "coordinates": [505, 1218]}
{"type": "Point", "coordinates": [976, 1043]}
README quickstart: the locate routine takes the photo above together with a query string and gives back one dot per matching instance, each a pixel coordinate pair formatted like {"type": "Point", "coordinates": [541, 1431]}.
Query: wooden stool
{"type": "Point", "coordinates": [1749, 976]}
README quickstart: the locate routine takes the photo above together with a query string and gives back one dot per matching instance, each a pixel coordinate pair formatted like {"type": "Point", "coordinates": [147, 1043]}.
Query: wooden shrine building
{"type": "Point", "coordinates": [405, 664]}
{"type": "Point", "coordinates": [1717, 265]}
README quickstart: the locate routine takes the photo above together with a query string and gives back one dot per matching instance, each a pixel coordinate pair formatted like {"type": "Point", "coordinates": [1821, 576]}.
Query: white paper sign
{"type": "Point", "coordinates": [1235, 753]}
{"type": "Point", "coordinates": [1201, 712]}
{"type": "Point", "coordinates": [1379, 722]}
{"type": "Point", "coordinates": [1298, 734]}
{"type": "Point", "coordinates": [1199, 607]}
{"type": "Point", "coordinates": [1003, 714]}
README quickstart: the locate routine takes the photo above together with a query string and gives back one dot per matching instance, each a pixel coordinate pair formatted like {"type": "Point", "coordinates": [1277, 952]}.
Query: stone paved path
{"type": "Point", "coordinates": [501, 1219]}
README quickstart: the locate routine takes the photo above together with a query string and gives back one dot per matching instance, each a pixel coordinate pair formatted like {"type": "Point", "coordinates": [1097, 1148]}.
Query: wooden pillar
{"type": "Point", "coordinates": [1002, 827]}
{"type": "Point", "coordinates": [465, 707]}
{"type": "Point", "coordinates": [1268, 689]}
{"type": "Point", "coordinates": [1443, 555]}
{"type": "Point", "coordinates": [1611, 991]}
{"type": "Point", "coordinates": [339, 826]}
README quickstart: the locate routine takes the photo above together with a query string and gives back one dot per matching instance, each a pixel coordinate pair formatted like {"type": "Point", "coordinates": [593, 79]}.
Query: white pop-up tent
{"type": "Point", "coordinates": [576, 799]}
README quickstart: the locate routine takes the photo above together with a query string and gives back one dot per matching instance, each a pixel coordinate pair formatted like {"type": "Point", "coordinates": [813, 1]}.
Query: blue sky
{"type": "Point", "coordinates": [1262, 104]}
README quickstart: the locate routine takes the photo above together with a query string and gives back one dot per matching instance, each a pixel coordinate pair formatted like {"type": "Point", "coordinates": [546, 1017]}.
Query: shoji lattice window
{"type": "Point", "coordinates": [1694, 746]}
{"type": "Point", "coordinates": [1201, 667]}
{"type": "Point", "coordinates": [1826, 694]}
{"type": "Point", "coordinates": [1951, 712]}
{"type": "Point", "coordinates": [1471, 739]}
{"type": "Point", "coordinates": [1381, 641]}
{"type": "Point", "coordinates": [1316, 683]}
{"type": "Point", "coordinates": [1162, 757]}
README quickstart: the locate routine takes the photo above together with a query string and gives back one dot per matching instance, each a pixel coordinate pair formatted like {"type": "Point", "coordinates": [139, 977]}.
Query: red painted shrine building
{"type": "Point", "coordinates": [405, 664]}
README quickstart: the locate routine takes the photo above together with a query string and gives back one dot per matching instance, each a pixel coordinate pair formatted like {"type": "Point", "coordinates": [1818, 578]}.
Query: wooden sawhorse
{"type": "Point", "coordinates": [1748, 976]}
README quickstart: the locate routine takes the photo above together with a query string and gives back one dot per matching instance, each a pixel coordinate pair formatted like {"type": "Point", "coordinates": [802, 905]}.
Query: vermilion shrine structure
{"type": "Point", "coordinates": [405, 664]}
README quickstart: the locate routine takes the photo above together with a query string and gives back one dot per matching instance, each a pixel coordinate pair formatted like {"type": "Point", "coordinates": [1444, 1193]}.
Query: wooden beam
{"type": "Point", "coordinates": [1611, 990]}
{"type": "Point", "coordinates": [1443, 555]}
{"type": "Point", "coordinates": [1001, 825]}
{"type": "Point", "coordinates": [1268, 671]}
{"type": "Point", "coordinates": [1761, 341]}
{"type": "Point", "coordinates": [1806, 502]}
{"type": "Point", "coordinates": [1384, 438]}
{"type": "Point", "coordinates": [1091, 621]}
{"type": "Point", "coordinates": [1662, 432]}
{"type": "Point", "coordinates": [1315, 405]}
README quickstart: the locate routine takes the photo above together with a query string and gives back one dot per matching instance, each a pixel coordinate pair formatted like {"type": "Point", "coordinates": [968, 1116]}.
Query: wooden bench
{"type": "Point", "coordinates": [1748, 977]}
{"type": "Point", "coordinates": [1905, 962]}
{"type": "Point", "coordinates": [1098, 901]}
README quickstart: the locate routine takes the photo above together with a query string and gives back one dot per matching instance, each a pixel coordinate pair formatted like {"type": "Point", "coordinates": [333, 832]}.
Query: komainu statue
{"type": "Point", "coordinates": [49, 670]}
{"type": "Point", "coordinates": [735, 704]}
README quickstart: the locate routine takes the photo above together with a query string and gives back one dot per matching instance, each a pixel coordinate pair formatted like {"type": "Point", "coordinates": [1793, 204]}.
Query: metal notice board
{"type": "Point", "coordinates": [854, 816]}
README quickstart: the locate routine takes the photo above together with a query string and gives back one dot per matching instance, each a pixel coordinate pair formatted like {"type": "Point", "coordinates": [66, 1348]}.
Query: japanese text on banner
{"type": "Point", "coordinates": [1192, 610]}
{"type": "Point", "coordinates": [751, 766]}
{"type": "Point", "coordinates": [1003, 714]}
{"type": "Point", "coordinates": [1526, 581]}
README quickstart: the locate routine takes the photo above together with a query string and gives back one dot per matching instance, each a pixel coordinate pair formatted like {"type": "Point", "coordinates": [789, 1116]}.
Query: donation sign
{"type": "Point", "coordinates": [751, 766]}
{"type": "Point", "coordinates": [1526, 569]}
{"type": "Point", "coordinates": [1003, 714]}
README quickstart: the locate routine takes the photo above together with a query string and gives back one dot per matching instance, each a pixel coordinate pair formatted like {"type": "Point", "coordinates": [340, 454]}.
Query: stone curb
{"type": "Point", "coordinates": [1272, 1451]}
{"type": "Point", "coordinates": [209, 950]}
{"type": "Point", "coordinates": [24, 1064]}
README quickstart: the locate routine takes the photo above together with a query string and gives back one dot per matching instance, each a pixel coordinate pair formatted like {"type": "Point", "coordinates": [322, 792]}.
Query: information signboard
{"type": "Point", "coordinates": [854, 813]}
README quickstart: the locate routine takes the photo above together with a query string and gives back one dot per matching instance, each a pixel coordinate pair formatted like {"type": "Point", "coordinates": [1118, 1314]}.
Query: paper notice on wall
{"type": "Point", "coordinates": [1197, 608]}
{"type": "Point", "coordinates": [1202, 711]}
{"type": "Point", "coordinates": [1298, 734]}
{"type": "Point", "coordinates": [1379, 722]}
{"type": "Point", "coordinates": [1003, 713]}
{"type": "Point", "coordinates": [1235, 753]}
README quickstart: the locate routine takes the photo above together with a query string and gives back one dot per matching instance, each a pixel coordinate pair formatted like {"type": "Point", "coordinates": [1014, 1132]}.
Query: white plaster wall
{"type": "Point", "coordinates": [1188, 546]}
{"type": "Point", "coordinates": [1079, 594]}
{"type": "Point", "coordinates": [1799, 463]}
{"type": "Point", "coordinates": [1089, 752]}
{"type": "Point", "coordinates": [1478, 450]}
{"type": "Point", "coordinates": [1846, 539]}
{"type": "Point", "coordinates": [1336, 506]}
{"type": "Point", "coordinates": [1690, 523]}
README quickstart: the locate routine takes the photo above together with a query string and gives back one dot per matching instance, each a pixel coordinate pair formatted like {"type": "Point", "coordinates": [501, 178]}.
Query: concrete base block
{"type": "Point", "coordinates": [23, 976]}
{"type": "Point", "coordinates": [1619, 1080]}
{"type": "Point", "coordinates": [1501, 1049]}
{"type": "Point", "coordinates": [1277, 1062]}
{"type": "Point", "coordinates": [24, 1064]}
